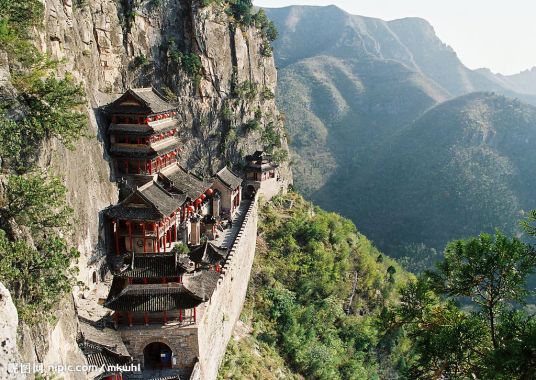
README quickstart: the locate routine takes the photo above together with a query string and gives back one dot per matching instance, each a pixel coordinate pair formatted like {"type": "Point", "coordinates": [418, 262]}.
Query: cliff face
{"type": "Point", "coordinates": [8, 333]}
{"type": "Point", "coordinates": [113, 45]}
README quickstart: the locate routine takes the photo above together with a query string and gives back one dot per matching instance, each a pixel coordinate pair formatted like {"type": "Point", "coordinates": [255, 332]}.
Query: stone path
{"type": "Point", "coordinates": [227, 237]}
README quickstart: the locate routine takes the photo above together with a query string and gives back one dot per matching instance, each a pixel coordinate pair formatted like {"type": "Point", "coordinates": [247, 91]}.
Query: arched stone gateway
{"type": "Point", "coordinates": [157, 355]}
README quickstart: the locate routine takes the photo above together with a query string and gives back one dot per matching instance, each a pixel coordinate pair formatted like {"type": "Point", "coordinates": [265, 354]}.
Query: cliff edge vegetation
{"type": "Point", "coordinates": [35, 106]}
{"type": "Point", "coordinates": [323, 303]}
{"type": "Point", "coordinates": [317, 292]}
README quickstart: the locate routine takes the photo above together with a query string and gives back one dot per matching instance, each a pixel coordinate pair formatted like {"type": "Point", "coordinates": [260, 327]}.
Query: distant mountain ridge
{"type": "Point", "coordinates": [308, 31]}
{"type": "Point", "coordinates": [353, 88]}
{"type": "Point", "coordinates": [465, 166]}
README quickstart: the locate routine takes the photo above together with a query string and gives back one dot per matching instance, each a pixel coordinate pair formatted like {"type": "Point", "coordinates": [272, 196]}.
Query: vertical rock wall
{"type": "Point", "coordinates": [9, 321]}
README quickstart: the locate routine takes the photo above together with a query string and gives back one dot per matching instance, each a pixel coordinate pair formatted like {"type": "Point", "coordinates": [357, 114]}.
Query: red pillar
{"type": "Point", "coordinates": [155, 230]}
{"type": "Point", "coordinates": [144, 237]}
{"type": "Point", "coordinates": [165, 317]}
{"type": "Point", "coordinates": [180, 315]}
{"type": "Point", "coordinates": [129, 224]}
{"type": "Point", "coordinates": [116, 233]}
{"type": "Point", "coordinates": [151, 167]}
{"type": "Point", "coordinates": [165, 235]}
{"type": "Point", "coordinates": [129, 316]}
{"type": "Point", "coordinates": [145, 318]}
{"type": "Point", "coordinates": [195, 316]}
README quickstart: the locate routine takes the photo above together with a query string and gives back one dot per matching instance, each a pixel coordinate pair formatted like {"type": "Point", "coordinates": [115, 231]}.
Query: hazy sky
{"type": "Point", "coordinates": [497, 34]}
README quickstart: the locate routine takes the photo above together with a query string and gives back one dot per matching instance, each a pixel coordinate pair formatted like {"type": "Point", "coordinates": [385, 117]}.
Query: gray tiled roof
{"type": "Point", "coordinates": [153, 298]}
{"type": "Point", "coordinates": [160, 204]}
{"type": "Point", "coordinates": [260, 161]}
{"type": "Point", "coordinates": [153, 99]}
{"type": "Point", "coordinates": [152, 265]}
{"type": "Point", "coordinates": [195, 289]}
{"type": "Point", "coordinates": [102, 346]}
{"type": "Point", "coordinates": [202, 283]}
{"type": "Point", "coordinates": [228, 178]}
{"type": "Point", "coordinates": [146, 151]}
{"type": "Point", "coordinates": [208, 253]}
{"type": "Point", "coordinates": [183, 182]}
{"type": "Point", "coordinates": [141, 129]}
{"type": "Point", "coordinates": [152, 102]}
{"type": "Point", "coordinates": [160, 198]}
{"type": "Point", "coordinates": [103, 336]}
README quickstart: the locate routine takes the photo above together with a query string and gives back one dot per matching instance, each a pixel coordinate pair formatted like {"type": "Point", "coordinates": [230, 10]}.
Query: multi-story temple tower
{"type": "Point", "coordinates": [142, 133]}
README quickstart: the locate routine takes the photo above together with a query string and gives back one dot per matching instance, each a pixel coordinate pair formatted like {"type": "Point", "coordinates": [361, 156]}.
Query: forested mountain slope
{"type": "Point", "coordinates": [352, 87]}
{"type": "Point", "coordinates": [315, 301]}
{"type": "Point", "coordinates": [463, 167]}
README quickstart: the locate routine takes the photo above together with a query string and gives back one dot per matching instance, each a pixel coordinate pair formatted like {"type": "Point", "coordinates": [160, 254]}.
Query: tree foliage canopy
{"type": "Point", "coordinates": [491, 339]}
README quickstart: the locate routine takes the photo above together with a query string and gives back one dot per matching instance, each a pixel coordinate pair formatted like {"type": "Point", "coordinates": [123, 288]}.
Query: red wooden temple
{"type": "Point", "coordinates": [142, 133]}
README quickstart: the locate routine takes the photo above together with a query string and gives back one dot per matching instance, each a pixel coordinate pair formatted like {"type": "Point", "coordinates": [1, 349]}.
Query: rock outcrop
{"type": "Point", "coordinates": [9, 321]}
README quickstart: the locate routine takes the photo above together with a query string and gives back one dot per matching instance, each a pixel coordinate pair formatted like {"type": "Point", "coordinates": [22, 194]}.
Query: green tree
{"type": "Point", "coordinates": [241, 10]}
{"type": "Point", "coordinates": [50, 107]}
{"type": "Point", "coordinates": [36, 201]}
{"type": "Point", "coordinates": [516, 355]}
{"type": "Point", "coordinates": [37, 277]}
{"type": "Point", "coordinates": [445, 341]}
{"type": "Point", "coordinates": [491, 271]}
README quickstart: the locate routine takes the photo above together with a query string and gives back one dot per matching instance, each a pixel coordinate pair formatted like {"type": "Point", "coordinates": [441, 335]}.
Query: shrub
{"type": "Point", "coordinates": [140, 61]}
{"type": "Point", "coordinates": [247, 90]}
{"type": "Point", "coordinates": [252, 125]}
{"type": "Point", "coordinates": [267, 94]}
{"type": "Point", "coordinates": [37, 277]}
{"type": "Point", "coordinates": [266, 49]}
{"type": "Point", "coordinates": [241, 10]}
{"type": "Point", "coordinates": [52, 108]}
{"type": "Point", "coordinates": [189, 62]}
{"type": "Point", "coordinates": [227, 112]}
{"type": "Point", "coordinates": [36, 201]}
{"type": "Point", "coordinates": [280, 155]}
{"type": "Point", "coordinates": [271, 138]}
{"type": "Point", "coordinates": [265, 25]}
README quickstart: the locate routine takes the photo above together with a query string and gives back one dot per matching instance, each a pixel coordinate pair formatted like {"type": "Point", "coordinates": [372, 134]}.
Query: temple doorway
{"type": "Point", "coordinates": [156, 355]}
{"type": "Point", "coordinates": [251, 191]}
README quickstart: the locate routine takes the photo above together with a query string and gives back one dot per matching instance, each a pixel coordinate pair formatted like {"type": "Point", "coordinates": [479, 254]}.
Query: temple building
{"type": "Point", "coordinates": [146, 221]}
{"type": "Point", "coordinates": [142, 133]}
{"type": "Point", "coordinates": [262, 175]}
{"type": "Point", "coordinates": [159, 315]}
{"type": "Point", "coordinates": [168, 242]}
{"type": "Point", "coordinates": [228, 184]}
{"type": "Point", "coordinates": [260, 167]}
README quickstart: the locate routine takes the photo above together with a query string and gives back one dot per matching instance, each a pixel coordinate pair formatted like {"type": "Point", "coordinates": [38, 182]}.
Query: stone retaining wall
{"type": "Point", "coordinates": [224, 307]}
